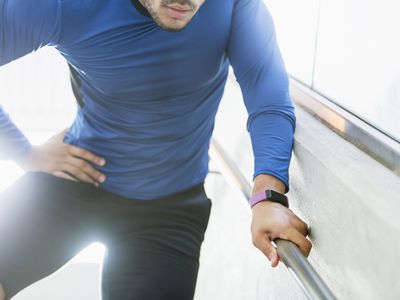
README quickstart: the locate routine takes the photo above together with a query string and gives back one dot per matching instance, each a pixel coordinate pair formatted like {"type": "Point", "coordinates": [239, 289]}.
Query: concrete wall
{"type": "Point", "coordinates": [352, 204]}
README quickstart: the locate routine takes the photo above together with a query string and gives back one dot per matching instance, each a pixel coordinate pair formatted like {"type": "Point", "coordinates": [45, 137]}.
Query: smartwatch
{"type": "Point", "coordinates": [269, 195]}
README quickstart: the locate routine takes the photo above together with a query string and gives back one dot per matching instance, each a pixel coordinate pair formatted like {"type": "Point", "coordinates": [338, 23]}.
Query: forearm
{"type": "Point", "coordinates": [264, 182]}
{"type": "Point", "coordinates": [272, 140]}
{"type": "Point", "coordinates": [13, 142]}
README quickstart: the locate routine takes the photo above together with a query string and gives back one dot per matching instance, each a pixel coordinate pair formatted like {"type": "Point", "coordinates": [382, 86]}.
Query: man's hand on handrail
{"type": "Point", "coordinates": [273, 220]}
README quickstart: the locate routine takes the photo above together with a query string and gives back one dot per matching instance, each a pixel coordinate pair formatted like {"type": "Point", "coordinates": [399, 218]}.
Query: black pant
{"type": "Point", "coordinates": [153, 246]}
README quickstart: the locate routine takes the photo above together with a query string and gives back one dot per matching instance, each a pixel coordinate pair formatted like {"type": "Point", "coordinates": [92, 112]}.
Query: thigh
{"type": "Point", "coordinates": [141, 273]}
{"type": "Point", "coordinates": [155, 255]}
{"type": "Point", "coordinates": [37, 234]}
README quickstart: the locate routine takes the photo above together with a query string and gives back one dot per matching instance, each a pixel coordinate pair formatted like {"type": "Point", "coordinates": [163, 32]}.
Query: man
{"type": "Point", "coordinates": [148, 77]}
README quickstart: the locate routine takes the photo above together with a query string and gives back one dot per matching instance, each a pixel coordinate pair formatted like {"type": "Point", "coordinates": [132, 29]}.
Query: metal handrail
{"type": "Point", "coordinates": [373, 141]}
{"type": "Point", "coordinates": [303, 272]}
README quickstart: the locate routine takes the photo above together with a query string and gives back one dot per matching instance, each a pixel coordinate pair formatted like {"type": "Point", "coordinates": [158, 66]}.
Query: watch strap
{"type": "Point", "coordinates": [270, 195]}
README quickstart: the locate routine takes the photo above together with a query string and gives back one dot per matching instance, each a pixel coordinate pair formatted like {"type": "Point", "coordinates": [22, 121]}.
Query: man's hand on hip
{"type": "Point", "coordinates": [63, 160]}
{"type": "Point", "coordinates": [273, 220]}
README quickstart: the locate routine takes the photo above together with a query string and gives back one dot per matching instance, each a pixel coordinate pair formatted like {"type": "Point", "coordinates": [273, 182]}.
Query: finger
{"type": "Point", "coordinates": [87, 168]}
{"type": "Point", "coordinates": [79, 174]}
{"type": "Point", "coordinates": [262, 242]}
{"type": "Point", "coordinates": [298, 238]}
{"type": "Point", "coordinates": [300, 225]}
{"type": "Point", "coordinates": [64, 175]}
{"type": "Point", "coordinates": [89, 156]}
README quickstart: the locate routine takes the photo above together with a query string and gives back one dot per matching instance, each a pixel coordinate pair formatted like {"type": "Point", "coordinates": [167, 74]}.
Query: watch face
{"type": "Point", "coordinates": [278, 197]}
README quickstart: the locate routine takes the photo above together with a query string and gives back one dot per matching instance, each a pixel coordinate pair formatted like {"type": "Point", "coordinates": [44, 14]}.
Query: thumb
{"type": "Point", "coordinates": [269, 250]}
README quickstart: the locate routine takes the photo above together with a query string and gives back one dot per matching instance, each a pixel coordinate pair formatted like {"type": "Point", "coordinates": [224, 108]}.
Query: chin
{"type": "Point", "coordinates": [174, 29]}
{"type": "Point", "coordinates": [174, 25]}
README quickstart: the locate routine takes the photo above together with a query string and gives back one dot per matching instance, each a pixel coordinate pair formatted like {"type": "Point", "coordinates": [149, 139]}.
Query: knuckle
{"type": "Point", "coordinates": [303, 224]}
{"type": "Point", "coordinates": [305, 246]}
{"type": "Point", "coordinates": [80, 152]}
{"type": "Point", "coordinates": [301, 227]}
{"type": "Point", "coordinates": [86, 167]}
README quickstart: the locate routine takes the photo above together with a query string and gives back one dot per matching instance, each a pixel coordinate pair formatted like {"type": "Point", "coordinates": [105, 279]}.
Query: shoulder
{"type": "Point", "coordinates": [39, 17]}
{"type": "Point", "coordinates": [28, 11]}
{"type": "Point", "coordinates": [38, 20]}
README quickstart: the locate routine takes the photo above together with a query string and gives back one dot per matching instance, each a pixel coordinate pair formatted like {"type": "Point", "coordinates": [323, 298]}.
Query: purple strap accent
{"type": "Point", "coordinates": [265, 196]}
{"type": "Point", "coordinates": [257, 198]}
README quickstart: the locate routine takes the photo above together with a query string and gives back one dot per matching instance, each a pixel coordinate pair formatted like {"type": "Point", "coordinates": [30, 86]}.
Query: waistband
{"type": "Point", "coordinates": [84, 189]}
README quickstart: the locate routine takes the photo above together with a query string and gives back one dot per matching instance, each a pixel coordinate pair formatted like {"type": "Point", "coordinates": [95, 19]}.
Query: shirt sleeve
{"type": "Point", "coordinates": [25, 26]}
{"type": "Point", "coordinates": [258, 66]}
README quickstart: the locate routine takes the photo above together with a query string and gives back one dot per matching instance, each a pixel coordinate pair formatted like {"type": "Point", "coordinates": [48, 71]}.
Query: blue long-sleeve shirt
{"type": "Point", "coordinates": [148, 97]}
